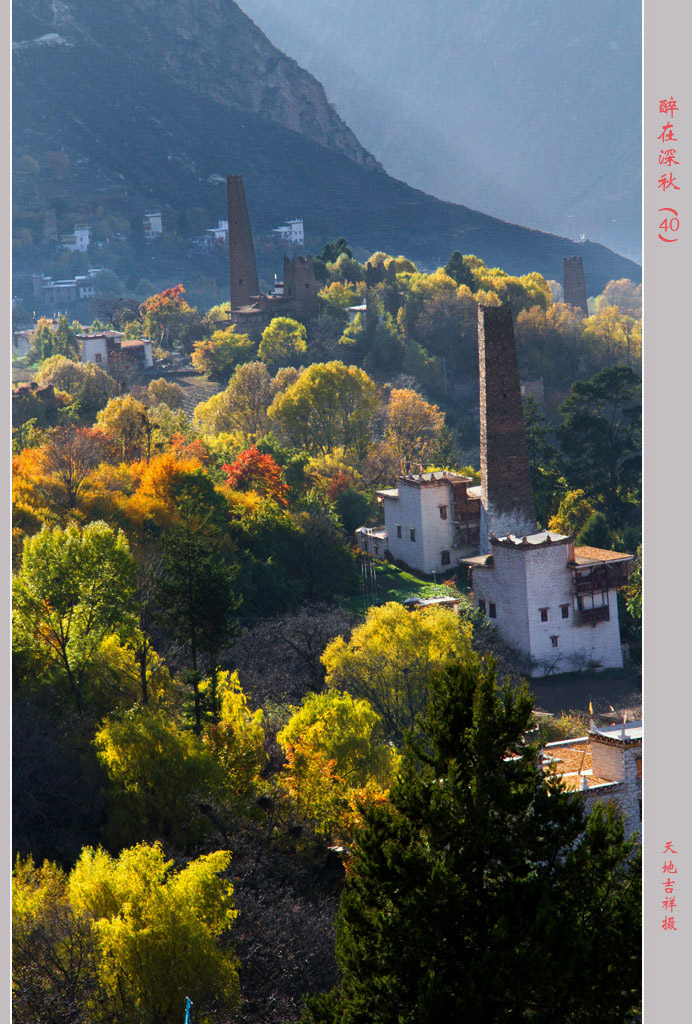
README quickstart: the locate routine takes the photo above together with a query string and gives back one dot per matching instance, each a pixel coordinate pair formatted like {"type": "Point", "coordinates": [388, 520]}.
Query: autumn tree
{"type": "Point", "coordinates": [68, 457]}
{"type": "Point", "coordinates": [624, 294]}
{"type": "Point", "coordinates": [166, 392]}
{"type": "Point", "coordinates": [242, 406]}
{"type": "Point", "coordinates": [256, 472]}
{"type": "Point", "coordinates": [388, 660]}
{"type": "Point", "coordinates": [54, 950]}
{"type": "Point", "coordinates": [412, 425]}
{"type": "Point", "coordinates": [159, 932]}
{"type": "Point", "coordinates": [216, 357]}
{"type": "Point", "coordinates": [618, 334]}
{"type": "Point", "coordinates": [236, 741]}
{"type": "Point", "coordinates": [89, 385]}
{"type": "Point", "coordinates": [574, 511]}
{"type": "Point", "coordinates": [160, 778]}
{"type": "Point", "coordinates": [336, 754]}
{"type": "Point", "coordinates": [330, 404]}
{"type": "Point", "coordinates": [551, 345]}
{"type": "Point", "coordinates": [168, 319]}
{"type": "Point", "coordinates": [126, 421]}
{"type": "Point", "coordinates": [74, 588]}
{"type": "Point", "coordinates": [282, 341]}
{"type": "Point", "coordinates": [464, 886]}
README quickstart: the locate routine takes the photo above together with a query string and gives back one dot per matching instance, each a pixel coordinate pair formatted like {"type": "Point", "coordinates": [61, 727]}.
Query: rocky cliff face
{"type": "Point", "coordinates": [209, 47]}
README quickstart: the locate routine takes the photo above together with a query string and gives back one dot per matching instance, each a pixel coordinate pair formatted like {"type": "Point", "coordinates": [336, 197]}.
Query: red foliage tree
{"type": "Point", "coordinates": [253, 471]}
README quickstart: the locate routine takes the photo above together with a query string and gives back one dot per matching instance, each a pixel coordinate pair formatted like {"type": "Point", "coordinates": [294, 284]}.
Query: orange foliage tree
{"type": "Point", "coordinates": [253, 471]}
{"type": "Point", "coordinates": [168, 318]}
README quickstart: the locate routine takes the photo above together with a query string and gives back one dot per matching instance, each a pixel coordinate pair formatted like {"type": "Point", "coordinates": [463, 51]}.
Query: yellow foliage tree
{"type": "Point", "coordinates": [158, 931]}
{"type": "Point", "coordinates": [412, 425]}
{"type": "Point", "coordinates": [336, 756]}
{"type": "Point", "coordinates": [389, 658]}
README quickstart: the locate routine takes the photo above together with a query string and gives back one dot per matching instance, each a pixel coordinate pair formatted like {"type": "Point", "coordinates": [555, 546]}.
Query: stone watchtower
{"type": "Point", "coordinates": [244, 281]}
{"type": "Point", "coordinates": [507, 503]}
{"type": "Point", "coordinates": [300, 286]}
{"type": "Point", "coordinates": [575, 284]}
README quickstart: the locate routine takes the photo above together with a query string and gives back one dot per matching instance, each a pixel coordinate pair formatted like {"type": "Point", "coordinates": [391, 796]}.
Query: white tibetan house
{"type": "Point", "coordinates": [556, 605]}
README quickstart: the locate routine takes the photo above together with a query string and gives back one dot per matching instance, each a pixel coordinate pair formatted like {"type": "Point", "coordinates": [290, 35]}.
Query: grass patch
{"type": "Point", "coordinates": [395, 584]}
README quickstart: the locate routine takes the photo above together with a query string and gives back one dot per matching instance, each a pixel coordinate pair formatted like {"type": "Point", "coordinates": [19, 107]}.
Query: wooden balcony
{"type": "Point", "coordinates": [590, 616]}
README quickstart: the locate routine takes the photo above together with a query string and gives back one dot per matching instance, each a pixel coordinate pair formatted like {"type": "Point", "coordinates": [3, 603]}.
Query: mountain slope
{"type": "Point", "coordinates": [150, 101]}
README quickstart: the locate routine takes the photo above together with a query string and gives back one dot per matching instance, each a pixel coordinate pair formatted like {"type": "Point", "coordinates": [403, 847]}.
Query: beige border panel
{"type": "Point", "coordinates": [667, 502]}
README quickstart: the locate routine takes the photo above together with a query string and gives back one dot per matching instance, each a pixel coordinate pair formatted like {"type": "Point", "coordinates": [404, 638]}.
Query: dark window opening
{"type": "Point", "coordinates": [412, 534]}
{"type": "Point", "coordinates": [564, 609]}
{"type": "Point", "coordinates": [544, 614]}
{"type": "Point", "coordinates": [444, 558]}
{"type": "Point", "coordinates": [443, 511]}
{"type": "Point", "coordinates": [492, 610]}
{"type": "Point", "coordinates": [398, 531]}
{"type": "Point", "coordinates": [553, 641]}
{"type": "Point", "coordinates": [481, 605]}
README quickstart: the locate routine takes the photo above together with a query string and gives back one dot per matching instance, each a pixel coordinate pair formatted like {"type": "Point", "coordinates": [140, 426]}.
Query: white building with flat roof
{"type": "Point", "coordinates": [79, 241]}
{"type": "Point", "coordinates": [430, 521]}
{"type": "Point", "coordinates": [152, 226]}
{"type": "Point", "coordinates": [292, 232]}
{"type": "Point", "coordinates": [555, 604]}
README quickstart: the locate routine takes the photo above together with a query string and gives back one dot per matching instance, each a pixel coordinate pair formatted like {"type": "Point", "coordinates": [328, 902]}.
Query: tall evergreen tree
{"type": "Point", "coordinates": [482, 892]}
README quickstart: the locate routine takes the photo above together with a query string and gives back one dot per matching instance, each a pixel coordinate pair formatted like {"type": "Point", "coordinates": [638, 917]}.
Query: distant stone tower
{"type": "Point", "coordinates": [575, 284]}
{"type": "Point", "coordinates": [244, 282]}
{"type": "Point", "coordinates": [300, 286]}
{"type": "Point", "coordinates": [507, 504]}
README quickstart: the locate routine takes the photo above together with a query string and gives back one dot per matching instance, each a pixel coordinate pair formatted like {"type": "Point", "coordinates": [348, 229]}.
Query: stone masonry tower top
{"type": "Point", "coordinates": [507, 503]}
{"type": "Point", "coordinates": [575, 283]}
{"type": "Point", "coordinates": [244, 281]}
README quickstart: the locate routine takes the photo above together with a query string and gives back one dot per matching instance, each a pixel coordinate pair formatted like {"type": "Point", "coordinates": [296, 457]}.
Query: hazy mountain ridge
{"type": "Point", "coordinates": [525, 109]}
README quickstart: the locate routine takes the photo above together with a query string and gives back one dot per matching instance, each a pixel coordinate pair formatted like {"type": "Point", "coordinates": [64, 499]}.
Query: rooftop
{"type": "Point", "coordinates": [633, 731]}
{"type": "Point", "coordinates": [590, 556]}
{"type": "Point", "coordinates": [533, 540]}
{"type": "Point", "coordinates": [441, 476]}
{"type": "Point", "coordinates": [572, 762]}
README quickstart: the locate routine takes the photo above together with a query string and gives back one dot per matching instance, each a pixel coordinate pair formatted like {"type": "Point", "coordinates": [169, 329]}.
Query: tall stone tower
{"type": "Point", "coordinates": [244, 282]}
{"type": "Point", "coordinates": [575, 284]}
{"type": "Point", "coordinates": [507, 504]}
{"type": "Point", "coordinates": [300, 286]}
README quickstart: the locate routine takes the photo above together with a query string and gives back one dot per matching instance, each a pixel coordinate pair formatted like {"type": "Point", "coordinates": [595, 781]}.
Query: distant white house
{"type": "Point", "coordinates": [292, 232]}
{"type": "Point", "coordinates": [152, 226]}
{"type": "Point", "coordinates": [430, 521]}
{"type": "Point", "coordinates": [101, 347]}
{"type": "Point", "coordinates": [555, 604]}
{"type": "Point", "coordinates": [79, 240]}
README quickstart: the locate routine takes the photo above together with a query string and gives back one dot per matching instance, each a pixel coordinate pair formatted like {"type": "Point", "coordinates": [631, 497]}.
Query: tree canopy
{"type": "Point", "coordinates": [481, 891]}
